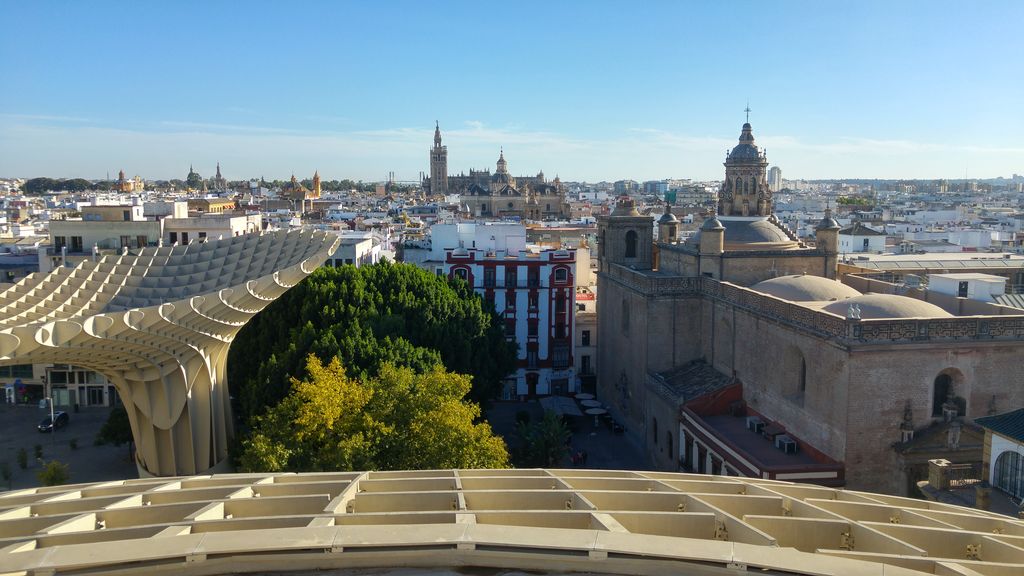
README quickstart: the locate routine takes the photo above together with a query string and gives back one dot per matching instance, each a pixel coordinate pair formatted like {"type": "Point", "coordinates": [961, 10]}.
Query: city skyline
{"type": "Point", "coordinates": [584, 91]}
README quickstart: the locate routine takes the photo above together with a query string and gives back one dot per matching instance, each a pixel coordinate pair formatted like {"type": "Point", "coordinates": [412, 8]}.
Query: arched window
{"type": "Point", "coordinates": [654, 427]}
{"type": "Point", "coordinates": [631, 244]}
{"type": "Point", "coordinates": [739, 185]}
{"type": "Point", "coordinates": [1009, 474]}
{"type": "Point", "coordinates": [745, 189]}
{"type": "Point", "coordinates": [561, 275]}
{"type": "Point", "coordinates": [941, 390]}
{"type": "Point", "coordinates": [625, 316]}
{"type": "Point", "coordinates": [461, 273]}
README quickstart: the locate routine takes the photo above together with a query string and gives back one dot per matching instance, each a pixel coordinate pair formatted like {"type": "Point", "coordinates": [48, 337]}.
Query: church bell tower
{"type": "Point", "coordinates": [625, 237]}
{"type": "Point", "coordinates": [745, 191]}
{"type": "Point", "coordinates": [438, 164]}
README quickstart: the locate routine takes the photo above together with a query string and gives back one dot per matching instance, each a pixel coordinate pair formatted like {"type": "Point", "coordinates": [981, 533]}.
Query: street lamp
{"type": "Point", "coordinates": [49, 400]}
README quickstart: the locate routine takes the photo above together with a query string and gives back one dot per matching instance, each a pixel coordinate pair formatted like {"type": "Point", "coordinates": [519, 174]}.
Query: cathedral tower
{"type": "Point", "coordinates": [316, 184]}
{"type": "Point", "coordinates": [745, 191]}
{"type": "Point", "coordinates": [625, 237]}
{"type": "Point", "coordinates": [438, 164]}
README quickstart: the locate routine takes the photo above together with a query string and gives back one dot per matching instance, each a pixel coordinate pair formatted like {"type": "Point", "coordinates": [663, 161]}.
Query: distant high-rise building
{"type": "Point", "coordinates": [656, 187]}
{"type": "Point", "coordinates": [438, 164]}
{"type": "Point", "coordinates": [775, 179]}
{"type": "Point", "coordinates": [625, 186]}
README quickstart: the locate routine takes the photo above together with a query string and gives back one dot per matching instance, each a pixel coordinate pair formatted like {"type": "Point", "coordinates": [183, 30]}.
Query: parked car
{"type": "Point", "coordinates": [61, 418]}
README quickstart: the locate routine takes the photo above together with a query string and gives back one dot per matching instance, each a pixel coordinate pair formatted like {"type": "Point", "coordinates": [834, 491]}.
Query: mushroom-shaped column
{"type": "Point", "coordinates": [159, 324]}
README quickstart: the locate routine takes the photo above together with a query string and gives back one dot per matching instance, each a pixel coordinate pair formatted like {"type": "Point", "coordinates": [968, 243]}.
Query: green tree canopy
{"type": "Point", "coordinates": [370, 316]}
{"type": "Point", "coordinates": [117, 429]}
{"type": "Point", "coordinates": [396, 420]}
{"type": "Point", "coordinates": [53, 473]}
{"type": "Point", "coordinates": [43, 185]}
{"type": "Point", "coordinates": [852, 201]}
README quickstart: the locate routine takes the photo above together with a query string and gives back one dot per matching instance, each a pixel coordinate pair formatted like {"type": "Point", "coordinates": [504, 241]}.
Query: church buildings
{"type": "Point", "coordinates": [738, 351]}
{"type": "Point", "coordinates": [499, 195]}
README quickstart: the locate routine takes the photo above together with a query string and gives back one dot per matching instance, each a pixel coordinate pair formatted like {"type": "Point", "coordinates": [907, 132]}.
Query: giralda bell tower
{"type": "Point", "coordinates": [438, 164]}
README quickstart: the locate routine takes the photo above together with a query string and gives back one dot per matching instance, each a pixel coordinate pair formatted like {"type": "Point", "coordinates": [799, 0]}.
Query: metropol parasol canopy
{"type": "Point", "coordinates": [439, 521]}
{"type": "Point", "coordinates": [158, 325]}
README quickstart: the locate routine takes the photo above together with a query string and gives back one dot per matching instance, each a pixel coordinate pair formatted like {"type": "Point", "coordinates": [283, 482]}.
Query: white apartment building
{"type": "Point", "coordinates": [209, 226]}
{"type": "Point", "coordinates": [356, 248]}
{"type": "Point", "coordinates": [861, 238]}
{"type": "Point", "coordinates": [534, 291]}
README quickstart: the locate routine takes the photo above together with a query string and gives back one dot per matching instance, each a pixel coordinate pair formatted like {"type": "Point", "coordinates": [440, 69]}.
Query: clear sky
{"type": "Point", "coordinates": [586, 90]}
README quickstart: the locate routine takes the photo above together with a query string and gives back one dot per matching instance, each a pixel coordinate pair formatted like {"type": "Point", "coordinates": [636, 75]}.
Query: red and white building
{"type": "Point", "coordinates": [534, 290]}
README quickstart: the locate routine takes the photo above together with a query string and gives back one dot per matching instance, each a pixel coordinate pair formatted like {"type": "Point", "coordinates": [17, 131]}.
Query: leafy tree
{"type": "Point", "coordinates": [22, 458]}
{"type": "Point", "coordinates": [396, 420]}
{"type": "Point", "coordinates": [77, 185]}
{"type": "Point", "coordinates": [53, 473]}
{"type": "Point", "coordinates": [194, 180]}
{"type": "Point", "coordinates": [544, 442]}
{"type": "Point", "coordinates": [370, 316]}
{"type": "Point", "coordinates": [852, 201]}
{"type": "Point", "coordinates": [43, 185]}
{"type": "Point", "coordinates": [117, 429]}
{"type": "Point", "coordinates": [39, 185]}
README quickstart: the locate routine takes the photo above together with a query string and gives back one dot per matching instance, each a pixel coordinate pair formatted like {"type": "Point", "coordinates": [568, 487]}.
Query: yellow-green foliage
{"type": "Point", "coordinates": [396, 420]}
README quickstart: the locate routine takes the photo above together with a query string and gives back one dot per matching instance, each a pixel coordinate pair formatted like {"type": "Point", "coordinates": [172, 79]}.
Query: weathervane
{"type": "Point", "coordinates": [747, 110]}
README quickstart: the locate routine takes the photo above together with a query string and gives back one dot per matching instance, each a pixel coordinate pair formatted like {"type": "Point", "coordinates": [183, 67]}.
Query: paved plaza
{"type": "Point", "coordinates": [605, 450]}
{"type": "Point", "coordinates": [87, 463]}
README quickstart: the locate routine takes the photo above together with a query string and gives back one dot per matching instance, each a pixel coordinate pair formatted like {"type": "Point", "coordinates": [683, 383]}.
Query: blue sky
{"type": "Point", "coordinates": [587, 90]}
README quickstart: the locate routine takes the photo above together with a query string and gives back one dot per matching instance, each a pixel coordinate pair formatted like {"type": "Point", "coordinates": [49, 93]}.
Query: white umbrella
{"type": "Point", "coordinates": [591, 403]}
{"type": "Point", "coordinates": [595, 412]}
{"type": "Point", "coordinates": [584, 396]}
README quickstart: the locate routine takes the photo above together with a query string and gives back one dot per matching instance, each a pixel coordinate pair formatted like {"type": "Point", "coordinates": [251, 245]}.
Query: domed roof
{"type": "Point", "coordinates": [668, 217]}
{"type": "Point", "coordinates": [804, 288]}
{"type": "Point", "coordinates": [712, 223]}
{"type": "Point", "coordinates": [888, 306]}
{"type": "Point", "coordinates": [746, 149]}
{"type": "Point", "coordinates": [828, 222]}
{"type": "Point", "coordinates": [758, 232]}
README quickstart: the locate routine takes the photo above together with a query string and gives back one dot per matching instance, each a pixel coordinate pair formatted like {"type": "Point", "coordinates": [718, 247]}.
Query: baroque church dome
{"type": "Point", "coordinates": [805, 288]}
{"type": "Point", "coordinates": [746, 149]}
{"type": "Point", "coordinates": [749, 233]}
{"type": "Point", "coordinates": [873, 306]}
